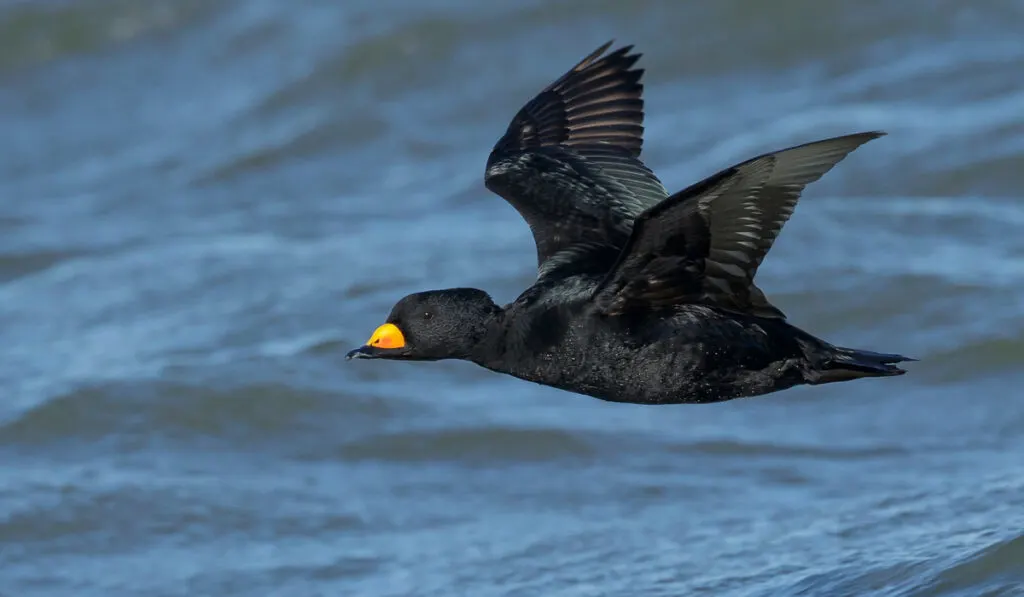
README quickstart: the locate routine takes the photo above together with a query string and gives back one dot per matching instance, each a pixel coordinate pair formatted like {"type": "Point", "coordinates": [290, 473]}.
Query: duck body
{"type": "Point", "coordinates": [681, 354]}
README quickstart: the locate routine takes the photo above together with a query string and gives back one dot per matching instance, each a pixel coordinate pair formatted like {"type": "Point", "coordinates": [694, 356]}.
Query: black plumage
{"type": "Point", "coordinates": [640, 296]}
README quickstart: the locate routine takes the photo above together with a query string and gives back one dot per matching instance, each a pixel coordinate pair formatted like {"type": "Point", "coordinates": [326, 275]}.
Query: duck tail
{"type": "Point", "coordinates": [842, 364]}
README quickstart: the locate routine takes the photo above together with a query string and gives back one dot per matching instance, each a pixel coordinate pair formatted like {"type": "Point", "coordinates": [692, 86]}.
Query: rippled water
{"type": "Point", "coordinates": [204, 204]}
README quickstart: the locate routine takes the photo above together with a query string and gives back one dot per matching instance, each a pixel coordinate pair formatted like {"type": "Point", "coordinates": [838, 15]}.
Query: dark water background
{"type": "Point", "coordinates": [205, 203]}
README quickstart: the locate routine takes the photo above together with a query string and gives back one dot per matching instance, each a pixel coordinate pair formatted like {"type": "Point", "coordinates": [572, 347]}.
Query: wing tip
{"type": "Point", "coordinates": [624, 55]}
{"type": "Point", "coordinates": [860, 138]}
{"type": "Point", "coordinates": [598, 99]}
{"type": "Point", "coordinates": [601, 50]}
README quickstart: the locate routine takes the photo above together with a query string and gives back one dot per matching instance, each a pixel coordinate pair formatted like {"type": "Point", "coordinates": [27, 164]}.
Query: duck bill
{"type": "Point", "coordinates": [387, 341]}
{"type": "Point", "coordinates": [363, 352]}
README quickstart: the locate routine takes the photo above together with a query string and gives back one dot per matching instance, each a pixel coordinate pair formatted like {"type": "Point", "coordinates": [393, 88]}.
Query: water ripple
{"type": "Point", "coordinates": [477, 445]}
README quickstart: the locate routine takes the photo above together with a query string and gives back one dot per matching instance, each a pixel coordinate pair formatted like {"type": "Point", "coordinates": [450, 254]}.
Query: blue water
{"type": "Point", "coordinates": [205, 204]}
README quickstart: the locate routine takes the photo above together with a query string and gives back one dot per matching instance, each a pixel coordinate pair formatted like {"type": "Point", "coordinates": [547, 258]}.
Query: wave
{"type": "Point", "coordinates": [996, 569]}
{"type": "Point", "coordinates": [739, 448]}
{"type": "Point", "coordinates": [16, 265]}
{"type": "Point", "coordinates": [92, 510]}
{"type": "Point", "coordinates": [37, 32]}
{"type": "Point", "coordinates": [485, 445]}
{"type": "Point", "coordinates": [140, 412]}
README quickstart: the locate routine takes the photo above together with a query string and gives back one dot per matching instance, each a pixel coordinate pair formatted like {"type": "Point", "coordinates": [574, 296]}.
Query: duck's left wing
{"type": "Point", "coordinates": [665, 261]}
{"type": "Point", "coordinates": [705, 243]}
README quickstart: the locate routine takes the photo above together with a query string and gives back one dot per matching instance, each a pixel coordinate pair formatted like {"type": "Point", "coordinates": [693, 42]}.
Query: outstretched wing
{"type": "Point", "coordinates": [705, 243]}
{"type": "Point", "coordinates": [569, 161]}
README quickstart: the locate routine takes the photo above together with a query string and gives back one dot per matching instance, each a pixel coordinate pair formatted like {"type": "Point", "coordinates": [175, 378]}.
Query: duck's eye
{"type": "Point", "coordinates": [428, 315]}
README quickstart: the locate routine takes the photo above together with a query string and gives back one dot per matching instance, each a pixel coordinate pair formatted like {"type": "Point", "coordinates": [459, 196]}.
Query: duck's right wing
{"type": "Point", "coordinates": [705, 243]}
{"type": "Point", "coordinates": [569, 161]}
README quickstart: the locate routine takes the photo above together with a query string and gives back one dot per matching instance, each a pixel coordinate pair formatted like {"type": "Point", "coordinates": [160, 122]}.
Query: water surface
{"type": "Point", "coordinates": [205, 204]}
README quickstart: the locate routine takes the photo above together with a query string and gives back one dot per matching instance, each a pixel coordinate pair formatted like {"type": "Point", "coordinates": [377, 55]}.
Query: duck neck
{"type": "Point", "coordinates": [488, 345]}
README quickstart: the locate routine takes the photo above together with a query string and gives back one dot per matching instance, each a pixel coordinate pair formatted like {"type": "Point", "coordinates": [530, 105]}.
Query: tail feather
{"type": "Point", "coordinates": [847, 363]}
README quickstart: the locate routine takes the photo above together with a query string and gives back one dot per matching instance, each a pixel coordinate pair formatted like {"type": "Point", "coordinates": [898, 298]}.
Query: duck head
{"type": "Point", "coordinates": [432, 325]}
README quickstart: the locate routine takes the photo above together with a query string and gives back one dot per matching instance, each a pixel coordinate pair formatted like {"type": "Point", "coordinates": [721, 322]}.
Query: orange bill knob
{"type": "Point", "coordinates": [387, 336]}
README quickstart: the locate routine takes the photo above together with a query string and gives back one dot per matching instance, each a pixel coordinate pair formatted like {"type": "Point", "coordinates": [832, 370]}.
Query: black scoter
{"type": "Point", "coordinates": [640, 296]}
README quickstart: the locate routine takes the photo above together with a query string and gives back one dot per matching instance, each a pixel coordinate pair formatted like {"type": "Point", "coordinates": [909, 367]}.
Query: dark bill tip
{"type": "Point", "coordinates": [363, 352]}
